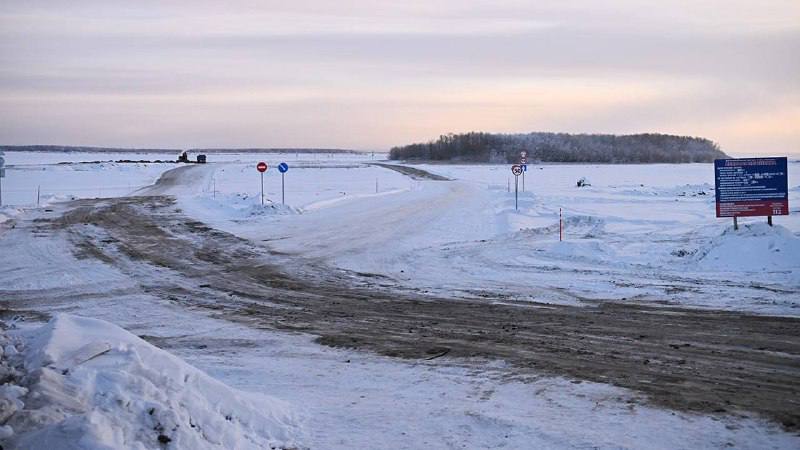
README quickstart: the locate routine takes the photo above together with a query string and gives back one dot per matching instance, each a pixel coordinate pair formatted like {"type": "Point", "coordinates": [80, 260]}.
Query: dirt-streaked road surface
{"type": "Point", "coordinates": [413, 172]}
{"type": "Point", "coordinates": [697, 360]}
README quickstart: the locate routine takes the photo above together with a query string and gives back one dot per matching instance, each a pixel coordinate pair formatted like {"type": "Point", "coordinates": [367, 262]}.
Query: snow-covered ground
{"type": "Point", "coordinates": [61, 176]}
{"type": "Point", "coordinates": [638, 233]}
{"type": "Point", "coordinates": [93, 385]}
{"type": "Point", "coordinates": [326, 398]}
{"type": "Point", "coordinates": [642, 233]}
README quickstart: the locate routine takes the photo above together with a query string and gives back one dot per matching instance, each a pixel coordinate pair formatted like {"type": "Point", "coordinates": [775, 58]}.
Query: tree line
{"type": "Point", "coordinates": [562, 147]}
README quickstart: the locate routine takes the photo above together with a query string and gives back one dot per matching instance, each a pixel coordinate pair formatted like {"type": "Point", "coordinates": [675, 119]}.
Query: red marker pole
{"type": "Point", "coordinates": [560, 225]}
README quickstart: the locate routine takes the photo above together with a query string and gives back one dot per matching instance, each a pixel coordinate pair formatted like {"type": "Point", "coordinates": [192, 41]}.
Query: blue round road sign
{"type": "Point", "coordinates": [283, 167]}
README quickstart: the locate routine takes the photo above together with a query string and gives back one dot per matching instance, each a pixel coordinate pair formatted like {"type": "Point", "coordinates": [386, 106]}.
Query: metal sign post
{"type": "Point", "coordinates": [523, 161]}
{"type": "Point", "coordinates": [262, 167]}
{"type": "Point", "coordinates": [2, 174]}
{"type": "Point", "coordinates": [517, 171]}
{"type": "Point", "coordinates": [283, 168]}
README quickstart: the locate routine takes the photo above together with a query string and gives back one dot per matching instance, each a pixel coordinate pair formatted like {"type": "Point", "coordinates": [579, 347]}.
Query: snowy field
{"type": "Point", "coordinates": [637, 234]}
{"type": "Point", "coordinates": [60, 176]}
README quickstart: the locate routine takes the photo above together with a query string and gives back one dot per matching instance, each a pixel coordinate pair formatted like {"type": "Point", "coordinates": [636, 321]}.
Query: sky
{"type": "Point", "coordinates": [370, 75]}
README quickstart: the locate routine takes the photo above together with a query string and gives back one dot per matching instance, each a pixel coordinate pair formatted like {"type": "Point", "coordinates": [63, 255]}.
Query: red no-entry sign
{"type": "Point", "coordinates": [262, 167]}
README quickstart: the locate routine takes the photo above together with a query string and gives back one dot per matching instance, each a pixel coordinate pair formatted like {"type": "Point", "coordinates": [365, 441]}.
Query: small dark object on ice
{"type": "Point", "coordinates": [437, 353]}
{"type": "Point", "coordinates": [582, 182]}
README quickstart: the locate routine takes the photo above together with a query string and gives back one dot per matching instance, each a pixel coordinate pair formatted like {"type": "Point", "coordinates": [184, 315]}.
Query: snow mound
{"type": "Point", "coordinates": [753, 248]}
{"type": "Point", "coordinates": [684, 190]}
{"type": "Point", "coordinates": [238, 206]}
{"type": "Point", "coordinates": [271, 209]}
{"type": "Point", "coordinates": [8, 212]}
{"type": "Point", "coordinates": [50, 199]}
{"type": "Point", "coordinates": [577, 225]}
{"type": "Point", "coordinates": [93, 385]}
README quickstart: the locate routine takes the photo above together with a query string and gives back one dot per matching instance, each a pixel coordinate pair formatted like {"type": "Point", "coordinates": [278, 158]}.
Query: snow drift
{"type": "Point", "coordinates": [755, 247]}
{"type": "Point", "coordinates": [86, 383]}
{"type": "Point", "coordinates": [235, 207]}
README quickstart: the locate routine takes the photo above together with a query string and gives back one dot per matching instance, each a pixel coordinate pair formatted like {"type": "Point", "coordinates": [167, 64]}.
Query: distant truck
{"type": "Point", "coordinates": [184, 158]}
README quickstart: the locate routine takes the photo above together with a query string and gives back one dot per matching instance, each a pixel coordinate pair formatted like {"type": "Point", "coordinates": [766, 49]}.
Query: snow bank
{"type": "Point", "coordinates": [753, 248]}
{"type": "Point", "coordinates": [682, 190]}
{"type": "Point", "coordinates": [236, 206]}
{"type": "Point", "coordinates": [90, 384]}
{"type": "Point", "coordinates": [8, 212]}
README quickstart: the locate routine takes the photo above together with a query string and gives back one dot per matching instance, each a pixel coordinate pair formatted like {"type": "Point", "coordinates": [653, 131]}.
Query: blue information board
{"type": "Point", "coordinates": [751, 187]}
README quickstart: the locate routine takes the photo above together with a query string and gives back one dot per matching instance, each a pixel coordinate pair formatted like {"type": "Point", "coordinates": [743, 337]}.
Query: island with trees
{"type": "Point", "coordinates": [563, 148]}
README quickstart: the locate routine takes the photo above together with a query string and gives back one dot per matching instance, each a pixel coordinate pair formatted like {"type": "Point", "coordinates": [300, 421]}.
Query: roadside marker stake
{"type": "Point", "coordinates": [2, 174]}
{"type": "Point", "coordinates": [560, 225]}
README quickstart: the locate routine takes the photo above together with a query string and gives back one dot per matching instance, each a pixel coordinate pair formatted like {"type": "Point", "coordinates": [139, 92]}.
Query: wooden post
{"type": "Point", "coordinates": [560, 225]}
{"type": "Point", "coordinates": [769, 220]}
{"type": "Point", "coordinates": [735, 224]}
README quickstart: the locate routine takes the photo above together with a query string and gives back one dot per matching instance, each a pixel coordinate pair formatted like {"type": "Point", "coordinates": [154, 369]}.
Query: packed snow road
{"type": "Point", "coordinates": [696, 360]}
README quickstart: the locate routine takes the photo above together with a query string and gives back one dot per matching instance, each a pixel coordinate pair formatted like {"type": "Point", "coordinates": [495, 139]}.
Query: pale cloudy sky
{"type": "Point", "coordinates": [367, 74]}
